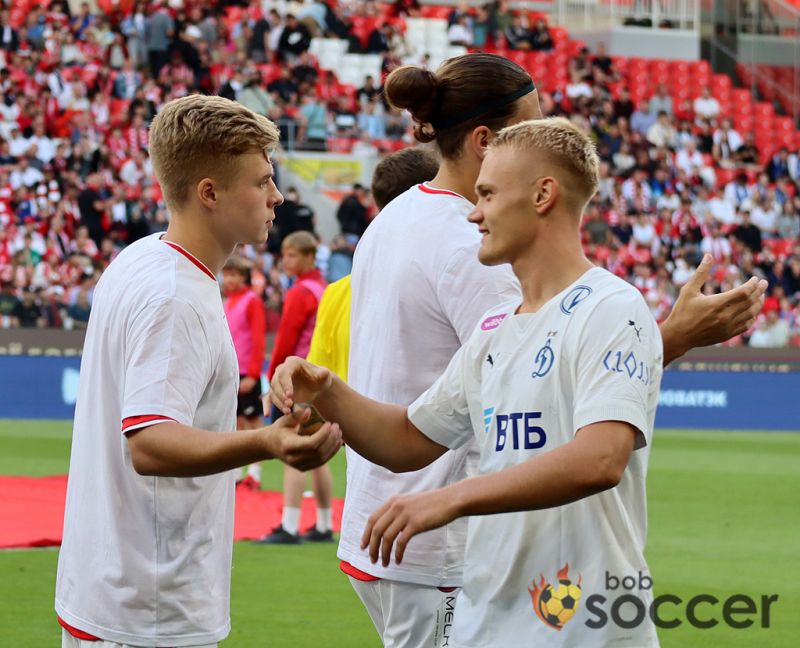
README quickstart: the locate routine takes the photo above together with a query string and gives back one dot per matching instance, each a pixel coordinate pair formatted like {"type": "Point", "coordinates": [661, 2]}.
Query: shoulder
{"type": "Point", "coordinates": [491, 320]}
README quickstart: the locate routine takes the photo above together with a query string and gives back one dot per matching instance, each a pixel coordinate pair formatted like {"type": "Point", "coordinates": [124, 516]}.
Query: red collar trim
{"type": "Point", "coordinates": [444, 192]}
{"type": "Point", "coordinates": [197, 262]}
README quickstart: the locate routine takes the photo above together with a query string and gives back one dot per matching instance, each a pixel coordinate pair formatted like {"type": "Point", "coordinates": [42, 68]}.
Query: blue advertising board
{"type": "Point", "coordinates": [729, 400]}
{"type": "Point", "coordinates": [38, 387]}
{"type": "Point", "coordinates": [46, 388]}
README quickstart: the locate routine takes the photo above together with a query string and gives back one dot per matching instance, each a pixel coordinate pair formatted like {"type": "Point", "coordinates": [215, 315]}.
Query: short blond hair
{"type": "Point", "coordinates": [302, 241]}
{"type": "Point", "coordinates": [199, 136]}
{"type": "Point", "coordinates": [564, 144]}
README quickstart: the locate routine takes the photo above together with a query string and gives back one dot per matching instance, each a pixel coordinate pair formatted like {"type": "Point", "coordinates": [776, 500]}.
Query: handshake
{"type": "Point", "coordinates": [301, 438]}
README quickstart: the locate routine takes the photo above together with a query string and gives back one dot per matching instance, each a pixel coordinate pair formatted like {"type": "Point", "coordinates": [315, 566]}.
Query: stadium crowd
{"type": "Point", "coordinates": [78, 90]}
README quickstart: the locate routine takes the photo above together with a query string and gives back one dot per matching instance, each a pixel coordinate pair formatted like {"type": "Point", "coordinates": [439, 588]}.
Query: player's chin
{"type": "Point", "coordinates": [489, 257]}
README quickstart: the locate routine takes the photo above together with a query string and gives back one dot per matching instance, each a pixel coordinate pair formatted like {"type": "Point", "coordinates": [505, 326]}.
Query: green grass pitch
{"type": "Point", "coordinates": [724, 512]}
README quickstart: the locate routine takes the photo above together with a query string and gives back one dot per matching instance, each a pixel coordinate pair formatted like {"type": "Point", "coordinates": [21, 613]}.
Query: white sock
{"type": "Point", "coordinates": [324, 520]}
{"type": "Point", "coordinates": [290, 519]}
{"type": "Point", "coordinates": [254, 470]}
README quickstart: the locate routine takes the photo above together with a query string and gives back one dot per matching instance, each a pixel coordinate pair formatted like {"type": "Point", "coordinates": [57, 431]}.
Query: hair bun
{"type": "Point", "coordinates": [414, 89]}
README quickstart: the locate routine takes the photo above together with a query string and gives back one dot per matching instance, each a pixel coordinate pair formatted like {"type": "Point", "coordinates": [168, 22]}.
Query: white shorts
{"type": "Point", "coordinates": [408, 615]}
{"type": "Point", "coordinates": [68, 641]}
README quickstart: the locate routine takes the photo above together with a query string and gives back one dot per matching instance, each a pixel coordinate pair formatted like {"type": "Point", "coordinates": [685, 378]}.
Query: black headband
{"type": "Point", "coordinates": [482, 109]}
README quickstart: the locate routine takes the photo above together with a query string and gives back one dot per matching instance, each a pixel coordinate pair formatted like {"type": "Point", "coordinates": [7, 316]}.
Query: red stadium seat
{"type": "Point", "coordinates": [559, 35]}
{"type": "Point", "coordinates": [724, 176]}
{"type": "Point", "coordinates": [783, 125]}
{"type": "Point", "coordinates": [659, 68]}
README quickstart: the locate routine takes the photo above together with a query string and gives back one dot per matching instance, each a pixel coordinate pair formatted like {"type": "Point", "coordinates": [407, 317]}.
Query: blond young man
{"type": "Point", "coordinates": [148, 529]}
{"type": "Point", "coordinates": [563, 429]}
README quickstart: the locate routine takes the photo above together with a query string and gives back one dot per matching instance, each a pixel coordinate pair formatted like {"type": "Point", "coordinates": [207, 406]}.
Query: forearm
{"type": "Point", "coordinates": [380, 432]}
{"type": "Point", "coordinates": [675, 342]}
{"type": "Point", "coordinates": [555, 478]}
{"type": "Point", "coordinates": [176, 450]}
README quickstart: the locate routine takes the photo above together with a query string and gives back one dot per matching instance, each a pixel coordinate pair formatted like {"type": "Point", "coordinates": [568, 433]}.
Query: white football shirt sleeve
{"type": "Point", "coordinates": [442, 412]}
{"type": "Point", "coordinates": [168, 365]}
{"type": "Point", "coordinates": [466, 289]}
{"type": "Point", "coordinates": [617, 365]}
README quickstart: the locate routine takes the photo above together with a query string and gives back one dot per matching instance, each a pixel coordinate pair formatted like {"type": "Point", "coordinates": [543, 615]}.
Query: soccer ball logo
{"type": "Point", "coordinates": [556, 605]}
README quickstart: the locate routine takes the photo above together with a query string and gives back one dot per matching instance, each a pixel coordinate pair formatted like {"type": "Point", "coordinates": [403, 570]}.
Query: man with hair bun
{"type": "Point", "coordinates": [560, 412]}
{"type": "Point", "coordinates": [148, 527]}
{"type": "Point", "coordinates": [418, 292]}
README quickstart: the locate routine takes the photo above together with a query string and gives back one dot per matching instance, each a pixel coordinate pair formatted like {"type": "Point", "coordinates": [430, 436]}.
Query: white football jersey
{"type": "Point", "coordinates": [523, 385]}
{"type": "Point", "coordinates": [418, 293]}
{"type": "Point", "coordinates": [146, 561]}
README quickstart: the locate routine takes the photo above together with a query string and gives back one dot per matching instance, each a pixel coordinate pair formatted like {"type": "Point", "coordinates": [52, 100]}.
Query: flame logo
{"type": "Point", "coordinates": [556, 605]}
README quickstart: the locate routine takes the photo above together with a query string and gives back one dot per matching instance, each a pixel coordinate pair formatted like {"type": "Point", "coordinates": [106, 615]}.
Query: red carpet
{"type": "Point", "coordinates": [32, 511]}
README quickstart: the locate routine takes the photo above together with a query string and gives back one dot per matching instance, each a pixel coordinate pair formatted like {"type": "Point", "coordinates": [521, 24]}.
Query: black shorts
{"type": "Point", "coordinates": [249, 404]}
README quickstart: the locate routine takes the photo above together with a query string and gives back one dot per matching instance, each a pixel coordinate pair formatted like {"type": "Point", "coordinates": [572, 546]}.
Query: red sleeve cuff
{"type": "Point", "coordinates": [138, 422]}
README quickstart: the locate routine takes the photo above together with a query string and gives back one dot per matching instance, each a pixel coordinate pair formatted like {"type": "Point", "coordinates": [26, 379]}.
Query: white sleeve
{"type": "Point", "coordinates": [617, 368]}
{"type": "Point", "coordinates": [168, 365]}
{"type": "Point", "coordinates": [467, 289]}
{"type": "Point", "coordinates": [442, 412]}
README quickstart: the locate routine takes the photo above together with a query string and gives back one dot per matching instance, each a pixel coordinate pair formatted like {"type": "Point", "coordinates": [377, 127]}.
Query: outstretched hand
{"type": "Point", "coordinates": [700, 320]}
{"type": "Point", "coordinates": [403, 517]}
{"type": "Point", "coordinates": [295, 381]}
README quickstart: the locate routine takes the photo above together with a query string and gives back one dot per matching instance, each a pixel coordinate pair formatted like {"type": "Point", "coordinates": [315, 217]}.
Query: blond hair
{"type": "Point", "coordinates": [199, 136]}
{"type": "Point", "coordinates": [302, 241]}
{"type": "Point", "coordinates": [566, 146]}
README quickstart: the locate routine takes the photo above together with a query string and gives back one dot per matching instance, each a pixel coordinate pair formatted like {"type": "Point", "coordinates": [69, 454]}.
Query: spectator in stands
{"type": "Point", "coordinates": [578, 89]}
{"type": "Point", "coordinates": [294, 40]}
{"type": "Point", "coordinates": [371, 120]}
{"type": "Point", "coordinates": [726, 130]}
{"type": "Point", "coordinates": [662, 133]}
{"type": "Point", "coordinates": [778, 165]}
{"type": "Point", "coordinates": [379, 39]}
{"type": "Point", "coordinates": [345, 119]}
{"type": "Point", "coordinates": [642, 119]}
{"type": "Point", "coordinates": [314, 123]}
{"type": "Point", "coordinates": [789, 222]}
{"type": "Point", "coordinates": [29, 311]}
{"type": "Point", "coordinates": [460, 33]}
{"type": "Point", "coordinates": [765, 213]}
{"type": "Point", "coordinates": [705, 106]}
{"type": "Point", "coordinates": [602, 66]}
{"type": "Point", "coordinates": [353, 214]}
{"type": "Point", "coordinates": [623, 106]}
{"type": "Point", "coordinates": [78, 313]}
{"type": "Point", "coordinates": [159, 28]}
{"type": "Point", "coordinates": [540, 38]}
{"type": "Point", "coordinates": [253, 95]}
{"type": "Point", "coordinates": [284, 87]}
{"type": "Point", "coordinates": [9, 39]}
{"type": "Point", "coordinates": [661, 101]}
{"type": "Point", "coordinates": [737, 191]}
{"type": "Point", "coordinates": [258, 46]}
{"type": "Point", "coordinates": [9, 305]}
{"type": "Point", "coordinates": [368, 91]}
{"type": "Point", "coordinates": [771, 331]}
{"type": "Point", "coordinates": [517, 34]}
{"type": "Point", "coordinates": [482, 26]}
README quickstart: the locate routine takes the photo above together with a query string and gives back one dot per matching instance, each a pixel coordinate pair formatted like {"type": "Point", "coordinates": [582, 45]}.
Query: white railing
{"type": "Point", "coordinates": [594, 14]}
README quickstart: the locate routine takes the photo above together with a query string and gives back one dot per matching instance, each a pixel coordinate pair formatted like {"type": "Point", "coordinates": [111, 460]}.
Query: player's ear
{"type": "Point", "coordinates": [545, 194]}
{"type": "Point", "coordinates": [206, 191]}
{"type": "Point", "coordinates": [478, 141]}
